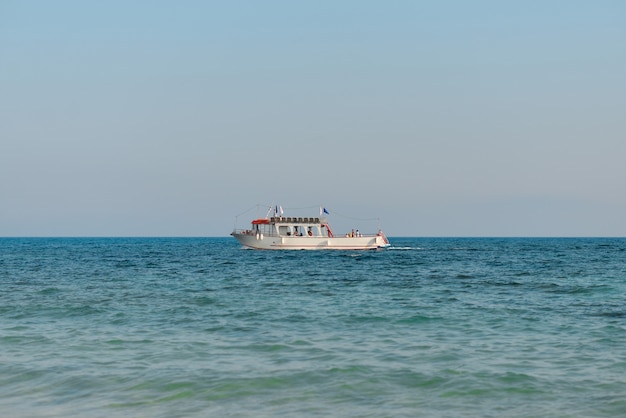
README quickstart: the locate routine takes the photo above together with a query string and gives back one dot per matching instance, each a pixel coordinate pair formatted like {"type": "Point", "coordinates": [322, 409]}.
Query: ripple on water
{"type": "Point", "coordinates": [200, 327]}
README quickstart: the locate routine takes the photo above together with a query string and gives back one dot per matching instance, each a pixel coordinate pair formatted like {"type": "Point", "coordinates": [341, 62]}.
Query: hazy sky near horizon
{"type": "Point", "coordinates": [447, 118]}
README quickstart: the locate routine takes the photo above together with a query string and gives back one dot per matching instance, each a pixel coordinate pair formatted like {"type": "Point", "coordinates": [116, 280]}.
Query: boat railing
{"type": "Point", "coordinates": [273, 233]}
{"type": "Point", "coordinates": [295, 220]}
{"type": "Point", "coordinates": [360, 235]}
{"type": "Point", "coordinates": [266, 233]}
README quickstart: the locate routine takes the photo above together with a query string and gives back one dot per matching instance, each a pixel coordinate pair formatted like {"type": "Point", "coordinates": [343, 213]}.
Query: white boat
{"type": "Point", "coordinates": [296, 233]}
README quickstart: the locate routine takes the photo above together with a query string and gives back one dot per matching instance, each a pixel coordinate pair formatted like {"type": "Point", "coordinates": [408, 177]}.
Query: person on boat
{"type": "Point", "coordinates": [309, 232]}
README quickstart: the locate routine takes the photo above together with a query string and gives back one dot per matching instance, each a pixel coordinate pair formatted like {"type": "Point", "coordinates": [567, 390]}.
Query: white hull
{"type": "Point", "coordinates": [261, 242]}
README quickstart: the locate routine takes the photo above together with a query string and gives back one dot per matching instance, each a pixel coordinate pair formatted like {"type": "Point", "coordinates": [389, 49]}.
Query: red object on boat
{"type": "Point", "coordinates": [260, 222]}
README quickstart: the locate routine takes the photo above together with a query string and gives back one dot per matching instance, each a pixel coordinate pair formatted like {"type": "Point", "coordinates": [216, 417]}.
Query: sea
{"type": "Point", "coordinates": [201, 327]}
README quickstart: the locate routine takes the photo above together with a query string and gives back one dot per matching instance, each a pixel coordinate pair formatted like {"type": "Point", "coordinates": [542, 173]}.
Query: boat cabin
{"type": "Point", "coordinates": [290, 227]}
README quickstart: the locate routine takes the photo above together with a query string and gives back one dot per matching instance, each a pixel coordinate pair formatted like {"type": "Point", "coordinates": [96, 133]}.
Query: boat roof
{"type": "Point", "coordinates": [288, 219]}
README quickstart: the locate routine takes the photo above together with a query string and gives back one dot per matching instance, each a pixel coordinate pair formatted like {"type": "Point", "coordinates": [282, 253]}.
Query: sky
{"type": "Point", "coordinates": [447, 118]}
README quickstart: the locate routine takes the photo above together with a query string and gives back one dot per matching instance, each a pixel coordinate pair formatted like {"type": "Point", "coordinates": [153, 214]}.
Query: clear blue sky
{"type": "Point", "coordinates": [443, 118]}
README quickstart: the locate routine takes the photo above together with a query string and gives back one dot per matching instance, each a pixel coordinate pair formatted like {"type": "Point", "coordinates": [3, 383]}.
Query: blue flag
{"type": "Point", "coordinates": [326, 212]}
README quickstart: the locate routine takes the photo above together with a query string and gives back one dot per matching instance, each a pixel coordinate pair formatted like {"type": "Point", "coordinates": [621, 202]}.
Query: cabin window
{"type": "Point", "coordinates": [283, 229]}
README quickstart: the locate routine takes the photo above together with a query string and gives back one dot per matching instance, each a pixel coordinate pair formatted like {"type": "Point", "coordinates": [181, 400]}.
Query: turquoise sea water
{"type": "Point", "coordinates": [119, 327]}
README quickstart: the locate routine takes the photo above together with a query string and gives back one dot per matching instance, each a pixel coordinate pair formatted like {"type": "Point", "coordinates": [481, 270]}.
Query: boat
{"type": "Point", "coordinates": [304, 233]}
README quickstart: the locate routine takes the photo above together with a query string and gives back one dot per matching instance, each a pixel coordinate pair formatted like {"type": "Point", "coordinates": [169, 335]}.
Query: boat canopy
{"type": "Point", "coordinates": [296, 220]}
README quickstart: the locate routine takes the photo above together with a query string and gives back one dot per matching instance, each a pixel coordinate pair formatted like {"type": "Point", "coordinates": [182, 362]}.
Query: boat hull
{"type": "Point", "coordinates": [261, 242]}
